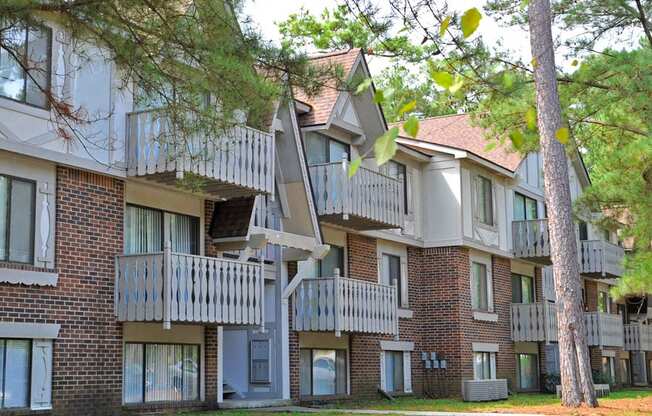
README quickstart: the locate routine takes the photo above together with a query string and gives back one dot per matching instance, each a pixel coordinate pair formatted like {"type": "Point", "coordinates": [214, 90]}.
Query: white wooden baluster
{"type": "Point", "coordinates": [167, 277]}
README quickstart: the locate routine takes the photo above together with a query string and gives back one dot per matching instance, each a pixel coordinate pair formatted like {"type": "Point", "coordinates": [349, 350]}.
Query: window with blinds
{"type": "Point", "coordinates": [394, 374]}
{"type": "Point", "coordinates": [160, 372]}
{"type": "Point", "coordinates": [15, 357]}
{"type": "Point", "coordinates": [484, 200]}
{"type": "Point", "coordinates": [17, 215]}
{"type": "Point", "coordinates": [147, 229]}
{"type": "Point", "coordinates": [480, 287]}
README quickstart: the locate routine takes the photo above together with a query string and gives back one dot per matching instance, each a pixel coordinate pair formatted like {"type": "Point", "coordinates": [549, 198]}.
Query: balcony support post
{"type": "Point", "coordinates": [336, 303]}
{"type": "Point", "coordinates": [346, 200]}
{"type": "Point", "coordinates": [167, 283]}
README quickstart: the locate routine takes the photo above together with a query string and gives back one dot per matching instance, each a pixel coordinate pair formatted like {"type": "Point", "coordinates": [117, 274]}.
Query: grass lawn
{"type": "Point", "coordinates": [620, 403]}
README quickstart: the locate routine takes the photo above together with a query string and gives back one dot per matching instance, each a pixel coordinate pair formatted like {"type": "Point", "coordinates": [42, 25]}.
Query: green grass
{"type": "Point", "coordinates": [519, 401]}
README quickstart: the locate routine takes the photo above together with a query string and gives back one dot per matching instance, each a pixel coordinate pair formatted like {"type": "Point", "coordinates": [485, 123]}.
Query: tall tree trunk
{"type": "Point", "coordinates": [576, 379]}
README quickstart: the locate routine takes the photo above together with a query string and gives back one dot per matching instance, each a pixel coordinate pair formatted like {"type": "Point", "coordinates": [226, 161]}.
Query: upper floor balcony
{"type": "Point", "coordinates": [638, 337]}
{"type": "Point", "coordinates": [239, 164]}
{"type": "Point", "coordinates": [183, 288]}
{"type": "Point", "coordinates": [597, 258]}
{"type": "Point", "coordinates": [534, 322]}
{"type": "Point", "coordinates": [345, 305]}
{"type": "Point", "coordinates": [367, 201]}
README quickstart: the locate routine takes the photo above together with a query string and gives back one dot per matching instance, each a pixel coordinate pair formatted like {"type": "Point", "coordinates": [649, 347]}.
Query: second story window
{"type": "Point", "coordinates": [391, 272]}
{"type": "Point", "coordinates": [25, 63]}
{"type": "Point", "coordinates": [603, 302]}
{"type": "Point", "coordinates": [147, 230]}
{"type": "Point", "coordinates": [583, 231]}
{"type": "Point", "coordinates": [397, 171]}
{"type": "Point", "coordinates": [522, 289]}
{"type": "Point", "coordinates": [322, 149]}
{"type": "Point", "coordinates": [525, 208]}
{"type": "Point", "coordinates": [333, 260]}
{"type": "Point", "coordinates": [484, 206]}
{"type": "Point", "coordinates": [17, 214]}
{"type": "Point", "coordinates": [481, 297]}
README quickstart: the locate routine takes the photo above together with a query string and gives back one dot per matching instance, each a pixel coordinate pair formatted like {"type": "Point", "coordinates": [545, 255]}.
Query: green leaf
{"type": "Point", "coordinates": [562, 135]}
{"type": "Point", "coordinates": [490, 146]}
{"type": "Point", "coordinates": [531, 118]}
{"type": "Point", "coordinates": [407, 107]}
{"type": "Point", "coordinates": [444, 26]}
{"type": "Point", "coordinates": [442, 78]}
{"type": "Point", "coordinates": [457, 84]}
{"type": "Point", "coordinates": [379, 97]}
{"type": "Point", "coordinates": [470, 21]}
{"type": "Point", "coordinates": [575, 62]}
{"type": "Point", "coordinates": [534, 62]}
{"type": "Point", "coordinates": [508, 80]}
{"type": "Point", "coordinates": [517, 139]}
{"type": "Point", "coordinates": [366, 83]}
{"type": "Point", "coordinates": [385, 146]}
{"type": "Point", "coordinates": [353, 167]}
{"type": "Point", "coordinates": [411, 126]}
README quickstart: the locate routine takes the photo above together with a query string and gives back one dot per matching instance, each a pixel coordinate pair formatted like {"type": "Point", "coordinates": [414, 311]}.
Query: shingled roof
{"type": "Point", "coordinates": [322, 104]}
{"type": "Point", "coordinates": [458, 132]}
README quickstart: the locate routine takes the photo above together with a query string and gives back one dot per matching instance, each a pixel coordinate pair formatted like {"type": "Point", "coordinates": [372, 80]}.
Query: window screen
{"type": "Point", "coordinates": [479, 298]}
{"type": "Point", "coordinates": [17, 215]}
{"type": "Point", "coordinates": [15, 357]}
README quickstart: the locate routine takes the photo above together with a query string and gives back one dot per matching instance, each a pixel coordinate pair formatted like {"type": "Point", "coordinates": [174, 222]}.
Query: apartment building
{"type": "Point", "coordinates": [280, 278]}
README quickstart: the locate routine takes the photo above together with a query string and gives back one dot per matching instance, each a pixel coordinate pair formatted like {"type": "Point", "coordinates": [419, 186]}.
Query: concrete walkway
{"type": "Point", "coordinates": [299, 409]}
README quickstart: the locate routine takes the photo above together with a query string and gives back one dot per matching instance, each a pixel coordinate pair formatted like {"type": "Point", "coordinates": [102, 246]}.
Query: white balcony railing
{"type": "Point", "coordinates": [530, 239]}
{"type": "Point", "coordinates": [538, 322]}
{"type": "Point", "coordinates": [638, 337]}
{"type": "Point", "coordinates": [345, 305]}
{"type": "Point", "coordinates": [240, 163]}
{"type": "Point", "coordinates": [368, 200]}
{"type": "Point", "coordinates": [601, 258]}
{"type": "Point", "coordinates": [175, 287]}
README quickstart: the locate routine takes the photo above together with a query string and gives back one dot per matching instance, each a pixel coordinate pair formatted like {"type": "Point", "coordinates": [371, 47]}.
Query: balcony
{"type": "Point", "coordinates": [531, 241]}
{"type": "Point", "coordinates": [239, 164]}
{"type": "Point", "coordinates": [367, 201]}
{"type": "Point", "coordinates": [534, 322]}
{"type": "Point", "coordinates": [345, 305]}
{"type": "Point", "coordinates": [601, 259]}
{"type": "Point", "coordinates": [638, 337]}
{"type": "Point", "coordinates": [181, 288]}
{"type": "Point", "coordinates": [598, 258]}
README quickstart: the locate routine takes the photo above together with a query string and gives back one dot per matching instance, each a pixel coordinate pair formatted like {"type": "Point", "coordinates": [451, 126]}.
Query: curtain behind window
{"type": "Point", "coordinates": [4, 197]}
{"type": "Point", "coordinates": [16, 388]}
{"type": "Point", "coordinates": [144, 231]}
{"type": "Point", "coordinates": [183, 231]}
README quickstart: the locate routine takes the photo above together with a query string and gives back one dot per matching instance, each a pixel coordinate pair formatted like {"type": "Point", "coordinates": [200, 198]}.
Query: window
{"type": "Point", "coordinates": [606, 235]}
{"type": "Point", "coordinates": [584, 231]}
{"type": "Point", "coordinates": [397, 171]}
{"type": "Point", "coordinates": [603, 302]}
{"type": "Point", "coordinates": [480, 299]}
{"type": "Point", "coordinates": [323, 372]}
{"type": "Point", "coordinates": [260, 354]}
{"type": "Point", "coordinates": [394, 372]}
{"type": "Point", "coordinates": [333, 260]}
{"type": "Point", "coordinates": [484, 200]}
{"type": "Point", "coordinates": [32, 47]}
{"type": "Point", "coordinates": [522, 289]}
{"type": "Point", "coordinates": [391, 273]}
{"type": "Point", "coordinates": [525, 208]}
{"type": "Point", "coordinates": [323, 149]}
{"type": "Point", "coordinates": [527, 371]}
{"type": "Point", "coordinates": [624, 371]}
{"type": "Point", "coordinates": [147, 230]}
{"type": "Point", "coordinates": [17, 214]}
{"type": "Point", "coordinates": [484, 365]}
{"type": "Point", "coordinates": [608, 368]}
{"type": "Point", "coordinates": [15, 358]}
{"type": "Point", "coordinates": [160, 372]}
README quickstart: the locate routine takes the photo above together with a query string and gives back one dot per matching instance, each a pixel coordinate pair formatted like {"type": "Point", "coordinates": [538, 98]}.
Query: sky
{"type": "Point", "coordinates": [265, 13]}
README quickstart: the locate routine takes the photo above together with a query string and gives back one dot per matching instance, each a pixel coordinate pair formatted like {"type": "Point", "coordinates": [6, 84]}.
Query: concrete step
{"type": "Point", "coordinates": [253, 403]}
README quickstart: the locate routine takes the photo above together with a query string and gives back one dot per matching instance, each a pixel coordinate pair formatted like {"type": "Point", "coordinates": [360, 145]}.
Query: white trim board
{"type": "Point", "coordinates": [397, 345]}
{"type": "Point", "coordinates": [28, 277]}
{"type": "Point", "coordinates": [484, 347]}
{"type": "Point", "coordinates": [29, 330]}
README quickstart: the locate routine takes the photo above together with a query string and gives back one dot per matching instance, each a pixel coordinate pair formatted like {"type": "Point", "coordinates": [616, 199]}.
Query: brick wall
{"type": "Point", "coordinates": [87, 359]}
{"type": "Point", "coordinates": [210, 365]}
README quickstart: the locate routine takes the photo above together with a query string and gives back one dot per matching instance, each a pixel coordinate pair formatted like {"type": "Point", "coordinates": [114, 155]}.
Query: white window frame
{"type": "Point", "coordinates": [476, 201]}
{"type": "Point", "coordinates": [486, 260]}
{"type": "Point", "coordinates": [406, 348]}
{"type": "Point", "coordinates": [485, 348]}
{"type": "Point", "coordinates": [400, 252]}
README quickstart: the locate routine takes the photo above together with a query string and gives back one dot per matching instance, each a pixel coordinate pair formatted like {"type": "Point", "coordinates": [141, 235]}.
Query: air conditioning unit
{"type": "Point", "coordinates": [484, 390]}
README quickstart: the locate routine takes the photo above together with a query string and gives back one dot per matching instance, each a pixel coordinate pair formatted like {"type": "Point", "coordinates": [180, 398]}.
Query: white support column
{"type": "Point", "coordinates": [220, 364]}
{"type": "Point", "coordinates": [285, 336]}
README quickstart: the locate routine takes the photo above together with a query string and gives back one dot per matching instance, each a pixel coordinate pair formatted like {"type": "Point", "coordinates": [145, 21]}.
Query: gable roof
{"type": "Point", "coordinates": [457, 131]}
{"type": "Point", "coordinates": [323, 102]}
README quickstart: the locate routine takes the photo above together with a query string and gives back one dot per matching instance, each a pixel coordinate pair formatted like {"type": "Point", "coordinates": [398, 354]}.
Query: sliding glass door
{"type": "Point", "coordinates": [147, 229]}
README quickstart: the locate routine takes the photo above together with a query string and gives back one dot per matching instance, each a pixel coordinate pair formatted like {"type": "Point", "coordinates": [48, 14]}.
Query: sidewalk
{"type": "Point", "coordinates": [299, 409]}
